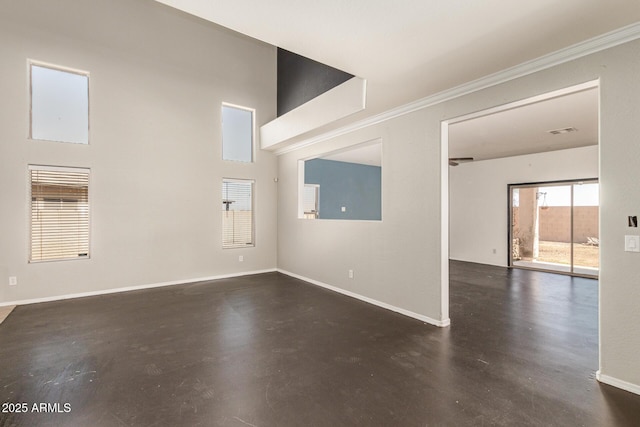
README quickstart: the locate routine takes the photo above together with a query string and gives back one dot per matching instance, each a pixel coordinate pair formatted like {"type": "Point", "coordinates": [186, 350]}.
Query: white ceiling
{"type": "Point", "coordinates": [410, 49]}
{"type": "Point", "coordinates": [364, 154]}
{"type": "Point", "coordinates": [524, 130]}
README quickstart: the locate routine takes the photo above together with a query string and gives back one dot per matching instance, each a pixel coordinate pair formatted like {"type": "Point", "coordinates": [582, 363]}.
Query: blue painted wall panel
{"type": "Point", "coordinates": [354, 186]}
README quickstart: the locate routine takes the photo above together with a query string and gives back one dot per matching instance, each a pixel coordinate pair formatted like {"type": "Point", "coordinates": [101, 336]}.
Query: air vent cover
{"type": "Point", "coordinates": [563, 130]}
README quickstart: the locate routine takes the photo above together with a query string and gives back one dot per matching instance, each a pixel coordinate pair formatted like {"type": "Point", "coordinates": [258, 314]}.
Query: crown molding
{"type": "Point", "coordinates": [579, 50]}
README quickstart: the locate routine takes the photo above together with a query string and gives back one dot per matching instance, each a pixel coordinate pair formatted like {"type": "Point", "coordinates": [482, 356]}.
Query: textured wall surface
{"type": "Point", "coordinates": [555, 223]}
{"type": "Point", "coordinates": [154, 143]}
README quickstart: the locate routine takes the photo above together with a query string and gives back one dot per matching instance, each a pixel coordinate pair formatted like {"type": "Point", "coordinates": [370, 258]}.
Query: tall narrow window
{"type": "Point", "coordinates": [59, 105]}
{"type": "Point", "coordinates": [310, 199]}
{"type": "Point", "coordinates": [237, 133]}
{"type": "Point", "coordinates": [59, 213]}
{"type": "Point", "coordinates": [237, 213]}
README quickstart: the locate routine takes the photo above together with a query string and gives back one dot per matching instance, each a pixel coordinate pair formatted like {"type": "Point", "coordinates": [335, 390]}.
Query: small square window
{"type": "Point", "coordinates": [59, 105]}
{"type": "Point", "coordinates": [237, 134]}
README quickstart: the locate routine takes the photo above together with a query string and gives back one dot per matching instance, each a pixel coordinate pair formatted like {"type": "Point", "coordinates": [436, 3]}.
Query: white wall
{"type": "Point", "coordinates": [157, 81]}
{"type": "Point", "coordinates": [393, 259]}
{"type": "Point", "coordinates": [397, 261]}
{"type": "Point", "coordinates": [478, 199]}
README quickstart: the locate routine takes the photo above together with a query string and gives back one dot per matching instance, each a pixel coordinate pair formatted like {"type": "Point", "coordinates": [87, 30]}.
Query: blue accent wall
{"type": "Point", "coordinates": [354, 186]}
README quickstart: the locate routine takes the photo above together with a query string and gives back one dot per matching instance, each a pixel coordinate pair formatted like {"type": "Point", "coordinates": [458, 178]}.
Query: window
{"type": "Point", "coordinates": [59, 104]}
{"type": "Point", "coordinates": [345, 184]}
{"type": "Point", "coordinates": [237, 133]}
{"type": "Point", "coordinates": [554, 226]}
{"type": "Point", "coordinates": [237, 213]}
{"type": "Point", "coordinates": [310, 201]}
{"type": "Point", "coordinates": [59, 213]}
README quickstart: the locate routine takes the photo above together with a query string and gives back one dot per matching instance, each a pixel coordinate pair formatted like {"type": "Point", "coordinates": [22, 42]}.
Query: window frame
{"type": "Point", "coordinates": [41, 64]}
{"type": "Point", "coordinates": [253, 132]}
{"type": "Point", "coordinates": [72, 169]}
{"type": "Point", "coordinates": [313, 214]}
{"type": "Point", "coordinates": [252, 182]}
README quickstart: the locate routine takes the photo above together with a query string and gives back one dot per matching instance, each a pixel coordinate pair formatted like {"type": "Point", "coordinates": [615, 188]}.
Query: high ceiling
{"type": "Point", "coordinates": [409, 49]}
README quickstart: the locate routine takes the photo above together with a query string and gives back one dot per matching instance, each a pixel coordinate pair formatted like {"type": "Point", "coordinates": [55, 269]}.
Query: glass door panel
{"type": "Point", "coordinates": [554, 238]}
{"type": "Point", "coordinates": [586, 236]}
{"type": "Point", "coordinates": [554, 227]}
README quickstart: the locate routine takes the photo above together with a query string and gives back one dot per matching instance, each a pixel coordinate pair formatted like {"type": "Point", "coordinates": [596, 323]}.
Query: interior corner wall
{"type": "Point", "coordinates": [478, 199]}
{"type": "Point", "coordinates": [393, 260]}
{"type": "Point", "coordinates": [157, 80]}
{"type": "Point", "coordinates": [398, 261]}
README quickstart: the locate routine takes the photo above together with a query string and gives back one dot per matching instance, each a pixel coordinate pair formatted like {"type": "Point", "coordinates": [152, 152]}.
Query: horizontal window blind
{"type": "Point", "coordinates": [237, 213]}
{"type": "Point", "coordinates": [59, 213]}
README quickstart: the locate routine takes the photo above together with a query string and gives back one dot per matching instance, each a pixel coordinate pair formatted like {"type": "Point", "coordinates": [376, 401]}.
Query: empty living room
{"type": "Point", "coordinates": [319, 213]}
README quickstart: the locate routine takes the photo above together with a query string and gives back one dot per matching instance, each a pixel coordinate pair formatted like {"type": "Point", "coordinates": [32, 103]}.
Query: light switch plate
{"type": "Point", "coordinates": [632, 243]}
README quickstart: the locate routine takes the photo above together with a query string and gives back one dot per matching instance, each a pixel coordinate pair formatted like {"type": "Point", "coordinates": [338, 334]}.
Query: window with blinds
{"type": "Point", "coordinates": [237, 213]}
{"type": "Point", "coordinates": [59, 213]}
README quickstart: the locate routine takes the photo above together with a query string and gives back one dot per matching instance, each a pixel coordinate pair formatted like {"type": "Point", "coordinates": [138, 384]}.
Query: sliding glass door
{"type": "Point", "coordinates": [554, 226]}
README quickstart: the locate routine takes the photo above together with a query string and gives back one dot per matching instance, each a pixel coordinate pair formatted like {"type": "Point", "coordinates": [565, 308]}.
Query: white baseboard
{"type": "Point", "coordinates": [133, 288]}
{"type": "Point", "coordinates": [426, 319]}
{"type": "Point", "coordinates": [624, 385]}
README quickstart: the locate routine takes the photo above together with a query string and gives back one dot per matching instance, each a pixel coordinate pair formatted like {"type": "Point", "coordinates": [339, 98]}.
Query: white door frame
{"type": "Point", "coordinates": [444, 177]}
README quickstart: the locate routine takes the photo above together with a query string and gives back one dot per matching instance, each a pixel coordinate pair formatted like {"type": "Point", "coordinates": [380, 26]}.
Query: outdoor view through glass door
{"type": "Point", "coordinates": [554, 226]}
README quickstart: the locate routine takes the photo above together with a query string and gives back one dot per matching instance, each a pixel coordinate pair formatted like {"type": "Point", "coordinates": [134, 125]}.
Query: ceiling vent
{"type": "Point", "coordinates": [561, 131]}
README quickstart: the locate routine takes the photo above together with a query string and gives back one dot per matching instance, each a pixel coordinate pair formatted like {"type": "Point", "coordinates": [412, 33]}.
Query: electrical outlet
{"type": "Point", "coordinates": [13, 281]}
{"type": "Point", "coordinates": [350, 274]}
{"type": "Point", "coordinates": [241, 258]}
{"type": "Point", "coordinates": [343, 209]}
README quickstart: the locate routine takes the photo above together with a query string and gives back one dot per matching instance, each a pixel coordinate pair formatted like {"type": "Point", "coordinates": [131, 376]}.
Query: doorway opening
{"type": "Point", "coordinates": [541, 149]}
{"type": "Point", "coordinates": [526, 141]}
{"type": "Point", "coordinates": [553, 226]}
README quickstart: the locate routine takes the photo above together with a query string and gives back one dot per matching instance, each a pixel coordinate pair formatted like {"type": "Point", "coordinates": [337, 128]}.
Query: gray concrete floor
{"type": "Point", "coordinates": [269, 350]}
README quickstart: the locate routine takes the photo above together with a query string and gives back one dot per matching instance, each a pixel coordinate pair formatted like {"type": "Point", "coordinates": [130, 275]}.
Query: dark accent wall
{"type": "Point", "coordinates": [301, 79]}
{"type": "Point", "coordinates": [354, 186]}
